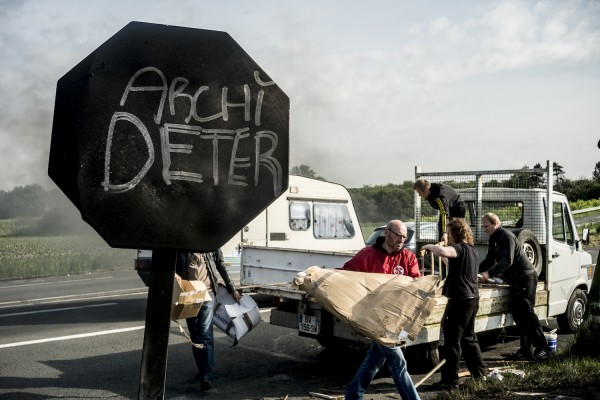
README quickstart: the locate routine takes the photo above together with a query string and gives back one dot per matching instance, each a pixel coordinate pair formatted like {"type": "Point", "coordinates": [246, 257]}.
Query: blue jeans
{"type": "Point", "coordinates": [376, 357]}
{"type": "Point", "coordinates": [201, 332]}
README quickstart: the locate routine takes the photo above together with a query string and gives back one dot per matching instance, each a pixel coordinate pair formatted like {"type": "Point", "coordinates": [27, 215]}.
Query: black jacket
{"type": "Point", "coordinates": [445, 199]}
{"type": "Point", "coordinates": [216, 264]}
{"type": "Point", "coordinates": [506, 256]}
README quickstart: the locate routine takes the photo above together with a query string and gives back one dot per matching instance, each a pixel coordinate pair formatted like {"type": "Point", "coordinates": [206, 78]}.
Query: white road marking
{"type": "Point", "coordinates": [55, 283]}
{"type": "Point", "coordinates": [79, 336]}
{"type": "Point", "coordinates": [75, 297]}
{"type": "Point", "coordinates": [56, 309]}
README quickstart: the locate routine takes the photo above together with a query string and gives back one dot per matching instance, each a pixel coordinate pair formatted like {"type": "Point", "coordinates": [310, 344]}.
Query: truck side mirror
{"type": "Point", "coordinates": [585, 236]}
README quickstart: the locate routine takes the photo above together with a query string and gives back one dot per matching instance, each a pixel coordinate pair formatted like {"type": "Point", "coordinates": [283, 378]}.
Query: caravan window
{"type": "Point", "coordinates": [332, 221]}
{"type": "Point", "coordinates": [299, 215]}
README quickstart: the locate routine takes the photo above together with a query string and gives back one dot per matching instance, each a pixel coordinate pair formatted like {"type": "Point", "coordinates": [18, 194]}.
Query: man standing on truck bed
{"type": "Point", "coordinates": [506, 256]}
{"type": "Point", "coordinates": [386, 256]}
{"type": "Point", "coordinates": [443, 198]}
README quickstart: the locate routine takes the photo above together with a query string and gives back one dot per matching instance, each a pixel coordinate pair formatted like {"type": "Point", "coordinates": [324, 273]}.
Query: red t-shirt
{"type": "Point", "coordinates": [372, 259]}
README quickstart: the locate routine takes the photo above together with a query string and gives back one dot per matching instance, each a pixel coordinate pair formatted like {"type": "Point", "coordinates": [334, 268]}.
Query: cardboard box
{"type": "Point", "coordinates": [386, 308]}
{"type": "Point", "coordinates": [236, 320]}
{"type": "Point", "coordinates": [187, 299]}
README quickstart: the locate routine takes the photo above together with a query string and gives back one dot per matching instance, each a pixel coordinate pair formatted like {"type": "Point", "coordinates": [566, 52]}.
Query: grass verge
{"type": "Point", "coordinates": [572, 373]}
{"type": "Point", "coordinates": [34, 257]}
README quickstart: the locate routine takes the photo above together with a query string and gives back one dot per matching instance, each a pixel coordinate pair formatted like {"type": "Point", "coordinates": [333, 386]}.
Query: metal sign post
{"type": "Point", "coordinates": [156, 334]}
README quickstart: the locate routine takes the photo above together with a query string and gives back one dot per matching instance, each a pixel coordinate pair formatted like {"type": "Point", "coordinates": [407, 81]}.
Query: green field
{"type": "Point", "coordinates": [31, 257]}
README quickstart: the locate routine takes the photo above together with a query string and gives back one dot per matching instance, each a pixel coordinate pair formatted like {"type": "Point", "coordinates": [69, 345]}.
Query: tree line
{"type": "Point", "coordinates": [373, 203]}
{"type": "Point", "coordinates": [380, 203]}
{"type": "Point", "coordinates": [51, 212]}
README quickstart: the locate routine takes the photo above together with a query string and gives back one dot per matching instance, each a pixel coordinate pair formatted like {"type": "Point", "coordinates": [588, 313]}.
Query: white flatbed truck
{"type": "Point", "coordinates": [565, 269]}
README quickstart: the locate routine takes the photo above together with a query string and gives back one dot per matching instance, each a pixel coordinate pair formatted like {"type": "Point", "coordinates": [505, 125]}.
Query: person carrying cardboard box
{"type": "Point", "coordinates": [385, 256]}
{"type": "Point", "coordinates": [204, 267]}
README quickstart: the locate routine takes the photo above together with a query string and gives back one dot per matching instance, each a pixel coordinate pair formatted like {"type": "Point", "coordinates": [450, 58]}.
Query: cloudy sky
{"type": "Point", "coordinates": [375, 87]}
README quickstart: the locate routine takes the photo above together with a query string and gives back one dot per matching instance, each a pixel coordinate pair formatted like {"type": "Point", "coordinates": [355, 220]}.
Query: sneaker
{"type": "Point", "coordinates": [471, 380]}
{"type": "Point", "coordinates": [540, 354]}
{"type": "Point", "coordinates": [445, 385]}
{"type": "Point", "coordinates": [480, 378]}
{"type": "Point", "coordinates": [205, 385]}
{"type": "Point", "coordinates": [519, 355]}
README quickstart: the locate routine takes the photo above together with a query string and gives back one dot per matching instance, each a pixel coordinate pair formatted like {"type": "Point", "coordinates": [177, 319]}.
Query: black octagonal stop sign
{"type": "Point", "coordinates": [169, 138]}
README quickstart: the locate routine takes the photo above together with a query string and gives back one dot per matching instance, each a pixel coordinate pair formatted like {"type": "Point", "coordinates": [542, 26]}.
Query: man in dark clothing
{"type": "Point", "coordinates": [506, 256]}
{"type": "Point", "coordinates": [444, 199]}
{"type": "Point", "coordinates": [204, 267]}
{"type": "Point", "coordinates": [458, 322]}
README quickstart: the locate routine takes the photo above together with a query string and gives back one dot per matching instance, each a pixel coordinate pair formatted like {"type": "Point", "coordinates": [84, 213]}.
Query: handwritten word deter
{"type": "Point", "coordinates": [264, 141]}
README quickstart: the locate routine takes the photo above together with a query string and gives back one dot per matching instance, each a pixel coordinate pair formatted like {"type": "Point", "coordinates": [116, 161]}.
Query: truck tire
{"type": "Point", "coordinates": [572, 319]}
{"type": "Point", "coordinates": [422, 357]}
{"type": "Point", "coordinates": [329, 342]}
{"type": "Point", "coordinates": [533, 250]}
{"type": "Point", "coordinates": [432, 354]}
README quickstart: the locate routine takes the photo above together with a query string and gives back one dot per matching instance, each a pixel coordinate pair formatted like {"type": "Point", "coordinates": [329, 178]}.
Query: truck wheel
{"type": "Point", "coordinates": [432, 354]}
{"type": "Point", "coordinates": [422, 357]}
{"type": "Point", "coordinates": [330, 342]}
{"type": "Point", "coordinates": [532, 249]}
{"type": "Point", "coordinates": [572, 319]}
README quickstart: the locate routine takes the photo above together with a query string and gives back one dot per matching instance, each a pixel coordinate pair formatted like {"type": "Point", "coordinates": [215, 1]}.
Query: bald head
{"type": "Point", "coordinates": [395, 224]}
{"type": "Point", "coordinates": [395, 235]}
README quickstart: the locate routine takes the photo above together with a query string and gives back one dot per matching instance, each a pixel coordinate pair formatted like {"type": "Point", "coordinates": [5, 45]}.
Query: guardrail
{"type": "Point", "coordinates": [232, 262]}
{"type": "Point", "coordinates": [584, 210]}
{"type": "Point", "coordinates": [582, 220]}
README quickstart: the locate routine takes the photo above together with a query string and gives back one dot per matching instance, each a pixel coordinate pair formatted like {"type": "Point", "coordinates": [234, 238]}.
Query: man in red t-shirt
{"type": "Point", "coordinates": [387, 255]}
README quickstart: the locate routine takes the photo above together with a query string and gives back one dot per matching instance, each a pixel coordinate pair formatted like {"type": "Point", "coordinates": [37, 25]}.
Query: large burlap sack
{"type": "Point", "coordinates": [386, 308]}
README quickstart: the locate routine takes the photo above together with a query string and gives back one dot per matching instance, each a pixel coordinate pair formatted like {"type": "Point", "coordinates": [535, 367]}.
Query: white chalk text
{"type": "Point", "coordinates": [242, 168]}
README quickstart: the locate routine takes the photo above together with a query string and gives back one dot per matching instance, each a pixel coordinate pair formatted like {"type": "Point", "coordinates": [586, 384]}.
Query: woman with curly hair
{"type": "Point", "coordinates": [458, 322]}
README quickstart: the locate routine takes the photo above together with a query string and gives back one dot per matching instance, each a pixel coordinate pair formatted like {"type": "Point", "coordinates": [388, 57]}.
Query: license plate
{"type": "Point", "coordinates": [309, 324]}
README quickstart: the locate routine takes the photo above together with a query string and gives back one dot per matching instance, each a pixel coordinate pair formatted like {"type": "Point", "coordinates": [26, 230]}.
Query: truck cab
{"type": "Point", "coordinates": [542, 221]}
{"type": "Point", "coordinates": [557, 253]}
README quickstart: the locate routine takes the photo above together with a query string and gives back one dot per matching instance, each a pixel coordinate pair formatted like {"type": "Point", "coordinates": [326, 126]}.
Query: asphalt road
{"type": "Point", "coordinates": [81, 337]}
